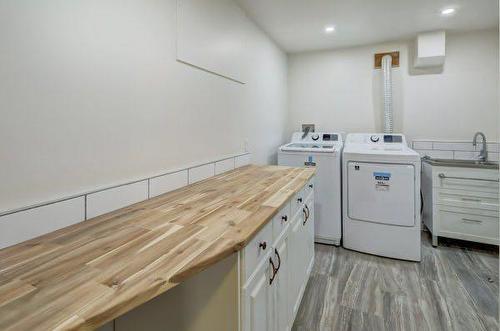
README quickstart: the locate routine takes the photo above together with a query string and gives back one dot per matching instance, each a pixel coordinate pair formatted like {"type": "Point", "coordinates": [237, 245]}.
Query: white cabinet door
{"type": "Point", "coordinates": [258, 300]}
{"type": "Point", "coordinates": [304, 243]}
{"type": "Point", "coordinates": [296, 255]}
{"type": "Point", "coordinates": [280, 285]}
{"type": "Point", "coordinates": [309, 231]}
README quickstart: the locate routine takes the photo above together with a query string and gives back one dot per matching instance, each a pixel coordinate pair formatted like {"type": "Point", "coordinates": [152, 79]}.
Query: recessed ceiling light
{"type": "Point", "coordinates": [329, 28]}
{"type": "Point", "coordinates": [448, 11]}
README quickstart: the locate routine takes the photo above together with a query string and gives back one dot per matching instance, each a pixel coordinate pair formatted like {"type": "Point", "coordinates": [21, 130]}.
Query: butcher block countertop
{"type": "Point", "coordinates": [85, 275]}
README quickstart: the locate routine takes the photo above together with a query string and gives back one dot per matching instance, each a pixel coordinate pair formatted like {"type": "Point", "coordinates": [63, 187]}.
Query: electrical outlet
{"type": "Point", "coordinates": [310, 126]}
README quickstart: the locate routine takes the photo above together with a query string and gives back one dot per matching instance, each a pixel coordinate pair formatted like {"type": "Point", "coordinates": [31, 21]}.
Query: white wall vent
{"type": "Point", "coordinates": [430, 49]}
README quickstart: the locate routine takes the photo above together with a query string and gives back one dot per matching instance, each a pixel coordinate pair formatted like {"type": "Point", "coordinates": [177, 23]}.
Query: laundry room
{"type": "Point", "coordinates": [249, 165]}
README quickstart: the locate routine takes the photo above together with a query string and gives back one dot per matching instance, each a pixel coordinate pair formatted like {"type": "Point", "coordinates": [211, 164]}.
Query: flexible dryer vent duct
{"type": "Point", "coordinates": [388, 112]}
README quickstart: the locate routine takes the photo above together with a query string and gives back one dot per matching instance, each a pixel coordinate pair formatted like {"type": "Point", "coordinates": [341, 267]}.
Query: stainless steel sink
{"type": "Point", "coordinates": [461, 163]}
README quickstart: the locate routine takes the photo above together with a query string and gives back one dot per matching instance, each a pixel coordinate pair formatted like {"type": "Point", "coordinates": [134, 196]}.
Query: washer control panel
{"type": "Point", "coordinates": [317, 137]}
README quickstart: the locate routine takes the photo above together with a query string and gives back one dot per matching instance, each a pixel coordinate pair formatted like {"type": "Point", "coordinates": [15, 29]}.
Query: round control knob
{"type": "Point", "coordinates": [374, 139]}
{"type": "Point", "coordinates": [315, 136]}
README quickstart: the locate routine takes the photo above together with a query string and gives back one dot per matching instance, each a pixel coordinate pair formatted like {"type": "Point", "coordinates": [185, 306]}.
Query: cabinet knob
{"type": "Point", "coordinates": [263, 245]}
{"type": "Point", "coordinates": [284, 218]}
{"type": "Point", "coordinates": [311, 185]}
{"type": "Point", "coordinates": [299, 200]}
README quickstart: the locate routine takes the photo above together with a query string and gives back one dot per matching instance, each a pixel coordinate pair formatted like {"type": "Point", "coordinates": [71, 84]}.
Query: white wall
{"type": "Point", "coordinates": [340, 90]}
{"type": "Point", "coordinates": [91, 95]}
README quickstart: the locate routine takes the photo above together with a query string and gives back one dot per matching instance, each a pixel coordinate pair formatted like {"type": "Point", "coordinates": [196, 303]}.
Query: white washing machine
{"type": "Point", "coordinates": [381, 196]}
{"type": "Point", "coordinates": [323, 150]}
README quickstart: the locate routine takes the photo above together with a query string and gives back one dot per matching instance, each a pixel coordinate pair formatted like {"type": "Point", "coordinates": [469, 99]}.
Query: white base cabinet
{"type": "Point", "coordinates": [271, 292]}
{"type": "Point", "coordinates": [256, 289]}
{"type": "Point", "coordinates": [461, 203]}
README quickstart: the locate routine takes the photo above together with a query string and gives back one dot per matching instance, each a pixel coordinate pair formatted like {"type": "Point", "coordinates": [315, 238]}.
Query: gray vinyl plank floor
{"type": "Point", "coordinates": [455, 287]}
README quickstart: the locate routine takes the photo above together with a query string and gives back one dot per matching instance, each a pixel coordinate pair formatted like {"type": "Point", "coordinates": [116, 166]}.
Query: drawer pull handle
{"type": "Point", "coordinates": [279, 259]}
{"type": "Point", "coordinates": [299, 200]}
{"type": "Point", "coordinates": [263, 245]}
{"type": "Point", "coordinates": [468, 220]}
{"type": "Point", "coordinates": [443, 176]}
{"type": "Point", "coordinates": [284, 218]}
{"type": "Point", "coordinates": [274, 271]}
{"type": "Point", "coordinates": [306, 212]}
{"type": "Point", "coordinates": [471, 199]}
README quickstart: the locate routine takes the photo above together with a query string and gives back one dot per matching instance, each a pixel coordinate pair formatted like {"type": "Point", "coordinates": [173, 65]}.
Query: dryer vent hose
{"type": "Point", "coordinates": [388, 111]}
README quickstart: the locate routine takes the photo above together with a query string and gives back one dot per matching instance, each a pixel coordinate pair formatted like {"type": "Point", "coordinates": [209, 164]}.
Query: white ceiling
{"type": "Point", "coordinates": [298, 25]}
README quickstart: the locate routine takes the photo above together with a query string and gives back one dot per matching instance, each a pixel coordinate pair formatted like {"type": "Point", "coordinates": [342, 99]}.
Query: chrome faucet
{"type": "Point", "coordinates": [483, 155]}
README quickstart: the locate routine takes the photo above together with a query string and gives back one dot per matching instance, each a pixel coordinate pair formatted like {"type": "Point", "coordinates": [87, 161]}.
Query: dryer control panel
{"type": "Point", "coordinates": [376, 138]}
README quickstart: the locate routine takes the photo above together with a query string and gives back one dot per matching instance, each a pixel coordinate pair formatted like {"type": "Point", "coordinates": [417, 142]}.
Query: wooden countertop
{"type": "Point", "coordinates": [85, 275]}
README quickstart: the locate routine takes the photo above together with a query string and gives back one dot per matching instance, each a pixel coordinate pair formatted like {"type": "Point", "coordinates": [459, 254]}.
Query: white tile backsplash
{"type": "Point", "coordinates": [460, 150]}
{"type": "Point", "coordinates": [224, 165]}
{"type": "Point", "coordinates": [436, 154]}
{"type": "Point", "coordinates": [494, 157]}
{"type": "Point", "coordinates": [167, 183]}
{"type": "Point", "coordinates": [202, 172]}
{"type": "Point", "coordinates": [422, 145]}
{"type": "Point", "coordinates": [492, 147]}
{"type": "Point", "coordinates": [111, 199]}
{"type": "Point", "coordinates": [242, 160]}
{"type": "Point", "coordinates": [31, 223]}
{"type": "Point", "coordinates": [453, 146]}
{"type": "Point", "coordinates": [466, 155]}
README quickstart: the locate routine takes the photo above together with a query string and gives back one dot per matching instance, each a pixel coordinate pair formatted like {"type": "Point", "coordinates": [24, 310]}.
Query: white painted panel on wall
{"type": "Point", "coordinates": [242, 160]}
{"type": "Point", "coordinates": [202, 172]}
{"type": "Point", "coordinates": [211, 35]}
{"type": "Point", "coordinates": [25, 225]}
{"type": "Point", "coordinates": [224, 165]}
{"type": "Point", "coordinates": [167, 183]}
{"type": "Point", "coordinates": [108, 200]}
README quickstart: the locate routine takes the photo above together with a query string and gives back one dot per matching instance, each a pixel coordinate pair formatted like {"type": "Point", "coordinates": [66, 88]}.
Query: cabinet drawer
{"type": "Point", "coordinates": [469, 226]}
{"type": "Point", "coordinates": [297, 203]}
{"type": "Point", "coordinates": [470, 211]}
{"type": "Point", "coordinates": [482, 180]}
{"type": "Point", "coordinates": [468, 199]}
{"type": "Point", "coordinates": [308, 188]}
{"type": "Point", "coordinates": [300, 197]}
{"type": "Point", "coordinates": [281, 220]}
{"type": "Point", "coordinates": [257, 249]}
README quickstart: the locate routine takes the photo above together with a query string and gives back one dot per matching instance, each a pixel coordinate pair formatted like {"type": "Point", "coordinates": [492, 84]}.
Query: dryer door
{"type": "Point", "coordinates": [381, 193]}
